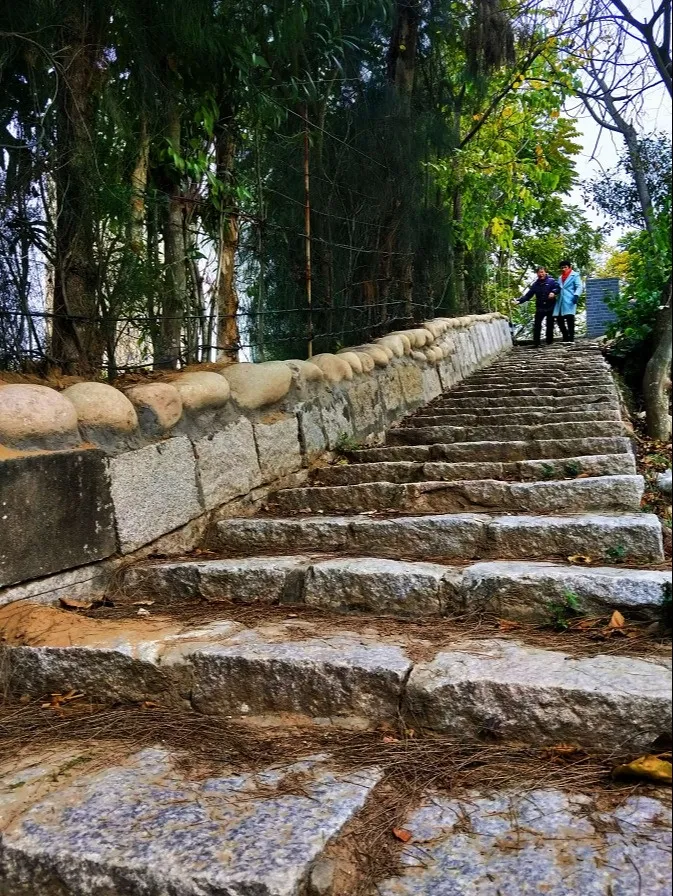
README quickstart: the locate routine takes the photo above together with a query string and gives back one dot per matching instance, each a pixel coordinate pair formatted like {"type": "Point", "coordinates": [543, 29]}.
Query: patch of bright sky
{"type": "Point", "coordinates": [602, 148]}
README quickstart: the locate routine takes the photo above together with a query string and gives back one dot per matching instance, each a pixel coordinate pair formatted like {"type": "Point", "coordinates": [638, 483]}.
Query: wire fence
{"type": "Point", "coordinates": [271, 334]}
{"type": "Point", "coordinates": [323, 259]}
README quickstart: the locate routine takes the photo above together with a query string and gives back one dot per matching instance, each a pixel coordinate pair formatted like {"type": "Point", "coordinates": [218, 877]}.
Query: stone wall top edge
{"type": "Point", "coordinates": [94, 415]}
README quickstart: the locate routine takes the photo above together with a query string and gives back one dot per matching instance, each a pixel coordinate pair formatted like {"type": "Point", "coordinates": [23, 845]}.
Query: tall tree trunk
{"type": "Point", "coordinates": [657, 382]}
{"type": "Point", "coordinates": [402, 52]}
{"type": "Point", "coordinates": [459, 250]}
{"type": "Point", "coordinates": [228, 336]}
{"type": "Point", "coordinates": [175, 284]}
{"type": "Point", "coordinates": [138, 191]}
{"type": "Point", "coordinates": [630, 135]}
{"type": "Point", "coordinates": [77, 342]}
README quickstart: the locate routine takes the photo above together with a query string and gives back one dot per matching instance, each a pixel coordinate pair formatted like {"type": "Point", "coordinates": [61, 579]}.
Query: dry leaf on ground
{"type": "Point", "coordinates": [402, 835]}
{"type": "Point", "coordinates": [617, 620]}
{"type": "Point", "coordinates": [72, 603]}
{"type": "Point", "coordinates": [647, 768]}
{"type": "Point", "coordinates": [580, 558]}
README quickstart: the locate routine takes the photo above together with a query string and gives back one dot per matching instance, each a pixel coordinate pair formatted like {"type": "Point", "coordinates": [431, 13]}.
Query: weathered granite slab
{"type": "Point", "coordinates": [381, 586]}
{"type": "Point", "coordinates": [263, 580]}
{"type": "Point", "coordinates": [144, 828]}
{"type": "Point", "coordinates": [55, 513]}
{"type": "Point", "coordinates": [267, 671]}
{"type": "Point", "coordinates": [518, 692]}
{"type": "Point", "coordinates": [526, 590]}
{"type": "Point", "coordinates": [227, 464]}
{"type": "Point", "coordinates": [154, 491]}
{"type": "Point", "coordinates": [543, 841]}
{"type": "Point", "coordinates": [278, 447]}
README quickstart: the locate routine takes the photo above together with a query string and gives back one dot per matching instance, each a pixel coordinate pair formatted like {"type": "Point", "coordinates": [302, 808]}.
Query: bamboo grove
{"type": "Point", "coordinates": [181, 181]}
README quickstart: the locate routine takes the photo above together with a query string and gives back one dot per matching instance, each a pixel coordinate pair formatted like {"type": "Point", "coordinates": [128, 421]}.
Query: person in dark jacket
{"type": "Point", "coordinates": [545, 290]}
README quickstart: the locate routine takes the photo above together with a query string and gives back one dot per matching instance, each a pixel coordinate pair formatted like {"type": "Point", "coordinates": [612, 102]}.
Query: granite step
{"type": "Point", "coordinates": [545, 392]}
{"type": "Point", "coordinates": [488, 452]}
{"type": "Point", "coordinates": [64, 805]}
{"type": "Point", "coordinates": [523, 692]}
{"type": "Point", "coordinates": [535, 839]}
{"type": "Point", "coordinates": [82, 819]}
{"type": "Point", "coordinates": [519, 591]}
{"type": "Point", "coordinates": [448, 400]}
{"type": "Point", "coordinates": [409, 435]}
{"type": "Point", "coordinates": [526, 470]}
{"type": "Point", "coordinates": [542, 379]}
{"type": "Point", "coordinates": [602, 493]}
{"type": "Point", "coordinates": [515, 418]}
{"type": "Point", "coordinates": [447, 537]}
{"type": "Point", "coordinates": [550, 411]}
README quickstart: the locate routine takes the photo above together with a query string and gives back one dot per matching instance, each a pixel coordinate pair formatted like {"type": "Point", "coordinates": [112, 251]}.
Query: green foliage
{"type": "Point", "coordinates": [563, 612]}
{"type": "Point", "coordinates": [346, 445]}
{"type": "Point", "coordinates": [188, 159]}
{"type": "Point", "coordinates": [647, 268]}
{"type": "Point", "coordinates": [572, 469]}
{"type": "Point", "coordinates": [615, 193]}
{"type": "Point", "coordinates": [617, 553]}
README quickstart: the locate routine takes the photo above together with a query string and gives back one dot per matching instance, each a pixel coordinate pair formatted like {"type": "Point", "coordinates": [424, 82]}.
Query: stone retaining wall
{"type": "Point", "coordinates": [92, 476]}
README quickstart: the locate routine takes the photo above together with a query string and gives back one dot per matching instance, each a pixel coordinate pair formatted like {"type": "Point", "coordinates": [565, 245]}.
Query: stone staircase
{"type": "Point", "coordinates": [405, 592]}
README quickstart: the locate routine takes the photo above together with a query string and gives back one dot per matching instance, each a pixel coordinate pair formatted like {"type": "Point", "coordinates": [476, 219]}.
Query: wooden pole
{"type": "Point", "coordinates": [307, 231]}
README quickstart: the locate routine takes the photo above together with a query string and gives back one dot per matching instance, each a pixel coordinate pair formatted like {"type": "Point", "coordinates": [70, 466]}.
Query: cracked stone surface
{"type": "Point", "coordinates": [543, 841]}
{"type": "Point", "coordinates": [528, 694]}
{"type": "Point", "coordinates": [524, 590]}
{"type": "Point", "coordinates": [382, 586]}
{"type": "Point", "coordinates": [143, 828]}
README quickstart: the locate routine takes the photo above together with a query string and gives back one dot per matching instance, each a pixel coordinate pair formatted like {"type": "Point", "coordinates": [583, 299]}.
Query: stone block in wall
{"type": "Point", "coordinates": [368, 415]}
{"type": "Point", "coordinates": [336, 418]}
{"type": "Point", "coordinates": [432, 385]}
{"type": "Point", "coordinates": [392, 394]}
{"type": "Point", "coordinates": [227, 464]}
{"type": "Point", "coordinates": [448, 373]}
{"type": "Point", "coordinates": [278, 447]}
{"type": "Point", "coordinates": [55, 513]}
{"type": "Point", "coordinates": [311, 431]}
{"type": "Point", "coordinates": [154, 491]}
{"type": "Point", "coordinates": [411, 381]}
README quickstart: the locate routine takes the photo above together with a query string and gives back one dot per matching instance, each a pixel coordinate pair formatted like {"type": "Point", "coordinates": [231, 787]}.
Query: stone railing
{"type": "Point", "coordinates": [92, 475]}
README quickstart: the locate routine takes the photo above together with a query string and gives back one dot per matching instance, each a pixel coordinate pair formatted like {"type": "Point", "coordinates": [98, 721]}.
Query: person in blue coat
{"type": "Point", "coordinates": [566, 305]}
{"type": "Point", "coordinates": [546, 291]}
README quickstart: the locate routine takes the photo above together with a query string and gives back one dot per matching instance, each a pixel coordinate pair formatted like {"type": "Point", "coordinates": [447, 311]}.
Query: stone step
{"type": "Point", "coordinates": [448, 401]}
{"type": "Point", "coordinates": [520, 591]}
{"type": "Point", "coordinates": [448, 537]}
{"type": "Point", "coordinates": [468, 452]}
{"type": "Point", "coordinates": [551, 411]}
{"type": "Point", "coordinates": [537, 696]}
{"type": "Point", "coordinates": [602, 493]}
{"type": "Point", "coordinates": [522, 692]}
{"type": "Point", "coordinates": [409, 435]}
{"type": "Point", "coordinates": [527, 470]}
{"type": "Point", "coordinates": [76, 800]}
{"type": "Point", "coordinates": [535, 839]}
{"type": "Point", "coordinates": [569, 383]}
{"type": "Point", "coordinates": [517, 418]}
{"type": "Point", "coordinates": [82, 819]}
{"type": "Point", "coordinates": [577, 393]}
